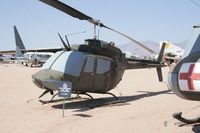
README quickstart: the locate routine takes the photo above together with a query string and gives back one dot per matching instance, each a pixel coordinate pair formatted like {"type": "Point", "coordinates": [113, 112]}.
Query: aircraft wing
{"type": "Point", "coordinates": [53, 50]}
{"type": "Point", "coordinates": [10, 52]}
{"type": "Point", "coordinates": [20, 46]}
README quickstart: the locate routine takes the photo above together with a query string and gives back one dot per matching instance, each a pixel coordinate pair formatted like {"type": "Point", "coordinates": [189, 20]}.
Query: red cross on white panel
{"type": "Point", "coordinates": [189, 77]}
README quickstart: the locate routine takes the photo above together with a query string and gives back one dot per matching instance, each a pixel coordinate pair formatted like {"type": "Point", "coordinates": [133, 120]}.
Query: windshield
{"type": "Point", "coordinates": [50, 61]}
{"type": "Point", "coordinates": [69, 62]}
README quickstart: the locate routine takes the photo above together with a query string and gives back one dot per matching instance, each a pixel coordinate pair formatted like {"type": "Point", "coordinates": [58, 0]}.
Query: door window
{"type": "Point", "coordinates": [89, 66]}
{"type": "Point", "coordinates": [103, 66]}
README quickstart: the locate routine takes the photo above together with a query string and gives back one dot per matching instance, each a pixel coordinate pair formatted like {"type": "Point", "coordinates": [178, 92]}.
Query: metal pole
{"type": "Point", "coordinates": [95, 36]}
{"type": "Point", "coordinates": [64, 107]}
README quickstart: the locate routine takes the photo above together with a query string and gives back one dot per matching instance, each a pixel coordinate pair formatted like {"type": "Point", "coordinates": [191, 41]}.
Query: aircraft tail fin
{"type": "Point", "coordinates": [193, 45]}
{"type": "Point", "coordinates": [18, 52]}
{"type": "Point", "coordinates": [18, 40]}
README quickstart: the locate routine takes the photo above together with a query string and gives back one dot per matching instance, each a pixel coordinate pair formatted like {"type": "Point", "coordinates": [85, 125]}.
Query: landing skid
{"type": "Point", "coordinates": [77, 97]}
{"type": "Point", "coordinates": [45, 92]}
{"type": "Point", "coordinates": [54, 101]}
{"type": "Point", "coordinates": [50, 101]}
{"type": "Point", "coordinates": [84, 94]}
{"type": "Point", "coordinates": [54, 96]}
{"type": "Point", "coordinates": [58, 100]}
{"type": "Point", "coordinates": [116, 98]}
{"type": "Point", "coordinates": [93, 98]}
{"type": "Point", "coordinates": [179, 117]}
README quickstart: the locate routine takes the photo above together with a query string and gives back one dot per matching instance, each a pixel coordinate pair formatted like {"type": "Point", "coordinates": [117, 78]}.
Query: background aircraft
{"type": "Point", "coordinates": [130, 55]}
{"type": "Point", "coordinates": [184, 79]}
{"type": "Point", "coordinates": [28, 58]}
{"type": "Point", "coordinates": [24, 56]}
{"type": "Point", "coordinates": [20, 45]}
{"type": "Point", "coordinates": [172, 52]}
{"type": "Point", "coordinates": [7, 58]}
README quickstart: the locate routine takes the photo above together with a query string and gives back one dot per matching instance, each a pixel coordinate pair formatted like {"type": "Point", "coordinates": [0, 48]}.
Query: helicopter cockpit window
{"type": "Point", "coordinates": [103, 66]}
{"type": "Point", "coordinates": [70, 63]}
{"type": "Point", "coordinates": [89, 66]}
{"type": "Point", "coordinates": [50, 61]}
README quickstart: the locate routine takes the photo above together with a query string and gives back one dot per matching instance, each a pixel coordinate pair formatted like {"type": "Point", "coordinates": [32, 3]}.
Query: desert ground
{"type": "Point", "coordinates": [146, 106]}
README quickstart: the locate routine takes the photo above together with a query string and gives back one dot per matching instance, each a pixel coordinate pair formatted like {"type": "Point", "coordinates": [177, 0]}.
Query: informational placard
{"type": "Point", "coordinates": [64, 91]}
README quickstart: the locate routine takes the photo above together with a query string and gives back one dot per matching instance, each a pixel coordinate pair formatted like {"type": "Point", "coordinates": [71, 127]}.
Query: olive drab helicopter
{"type": "Point", "coordinates": [184, 79]}
{"type": "Point", "coordinates": [93, 67]}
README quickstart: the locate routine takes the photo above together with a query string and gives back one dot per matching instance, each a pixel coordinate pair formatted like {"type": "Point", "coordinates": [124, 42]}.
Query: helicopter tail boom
{"type": "Point", "coordinates": [143, 63]}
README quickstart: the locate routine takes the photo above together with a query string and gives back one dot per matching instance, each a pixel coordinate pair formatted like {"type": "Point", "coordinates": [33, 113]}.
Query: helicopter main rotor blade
{"type": "Point", "coordinates": [133, 40]}
{"type": "Point", "coordinates": [77, 14]}
{"type": "Point", "coordinates": [70, 11]}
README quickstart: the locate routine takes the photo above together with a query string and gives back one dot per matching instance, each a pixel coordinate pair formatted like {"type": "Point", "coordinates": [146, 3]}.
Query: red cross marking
{"type": "Point", "coordinates": [190, 76]}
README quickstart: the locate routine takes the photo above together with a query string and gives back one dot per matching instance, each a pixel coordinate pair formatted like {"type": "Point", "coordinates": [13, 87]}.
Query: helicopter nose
{"type": "Point", "coordinates": [39, 78]}
{"type": "Point", "coordinates": [47, 79]}
{"type": "Point", "coordinates": [36, 80]}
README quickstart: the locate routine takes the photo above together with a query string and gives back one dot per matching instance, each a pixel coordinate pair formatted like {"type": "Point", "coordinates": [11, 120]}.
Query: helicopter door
{"type": "Point", "coordinates": [102, 74]}
{"type": "Point", "coordinates": [87, 74]}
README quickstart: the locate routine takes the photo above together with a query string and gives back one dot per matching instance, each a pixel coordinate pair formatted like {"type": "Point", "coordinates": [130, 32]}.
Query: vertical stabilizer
{"type": "Point", "coordinates": [18, 40]}
{"type": "Point", "coordinates": [18, 52]}
{"type": "Point", "coordinates": [193, 45]}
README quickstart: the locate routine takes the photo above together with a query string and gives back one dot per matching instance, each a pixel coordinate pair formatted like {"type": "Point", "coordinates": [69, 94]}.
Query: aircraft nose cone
{"type": "Point", "coordinates": [36, 80]}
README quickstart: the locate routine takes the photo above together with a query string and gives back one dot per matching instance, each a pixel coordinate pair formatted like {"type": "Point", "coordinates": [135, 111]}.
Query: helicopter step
{"type": "Point", "coordinates": [179, 117]}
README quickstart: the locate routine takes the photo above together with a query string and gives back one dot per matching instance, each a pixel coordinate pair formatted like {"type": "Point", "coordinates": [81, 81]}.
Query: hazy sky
{"type": "Point", "coordinates": [143, 20]}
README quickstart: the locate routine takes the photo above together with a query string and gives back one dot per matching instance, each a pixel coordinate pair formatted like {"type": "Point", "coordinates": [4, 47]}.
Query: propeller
{"type": "Point", "coordinates": [77, 14]}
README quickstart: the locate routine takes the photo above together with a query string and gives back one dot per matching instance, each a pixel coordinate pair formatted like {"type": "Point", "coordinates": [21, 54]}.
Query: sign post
{"type": "Point", "coordinates": [65, 92]}
{"type": "Point", "coordinates": [63, 108]}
